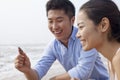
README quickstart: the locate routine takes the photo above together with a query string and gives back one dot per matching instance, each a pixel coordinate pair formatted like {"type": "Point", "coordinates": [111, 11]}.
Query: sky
{"type": "Point", "coordinates": [25, 21]}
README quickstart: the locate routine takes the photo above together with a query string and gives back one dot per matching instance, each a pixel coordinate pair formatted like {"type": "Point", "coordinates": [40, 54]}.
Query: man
{"type": "Point", "coordinates": [66, 48]}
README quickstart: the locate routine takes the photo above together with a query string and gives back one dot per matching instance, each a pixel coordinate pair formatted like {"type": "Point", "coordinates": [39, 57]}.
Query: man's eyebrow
{"type": "Point", "coordinates": [59, 18]}
{"type": "Point", "coordinates": [56, 18]}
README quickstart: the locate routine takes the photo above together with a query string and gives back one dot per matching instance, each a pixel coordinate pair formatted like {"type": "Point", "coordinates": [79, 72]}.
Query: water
{"type": "Point", "coordinates": [34, 52]}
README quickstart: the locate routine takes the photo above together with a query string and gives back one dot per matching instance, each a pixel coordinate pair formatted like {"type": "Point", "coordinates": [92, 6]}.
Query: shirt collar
{"type": "Point", "coordinates": [74, 32]}
{"type": "Point", "coordinates": [73, 35]}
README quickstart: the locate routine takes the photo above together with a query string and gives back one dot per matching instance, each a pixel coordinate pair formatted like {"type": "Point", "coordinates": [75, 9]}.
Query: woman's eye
{"type": "Point", "coordinates": [80, 27]}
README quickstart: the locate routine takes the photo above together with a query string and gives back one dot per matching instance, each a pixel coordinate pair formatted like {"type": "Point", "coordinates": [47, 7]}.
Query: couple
{"type": "Point", "coordinates": [67, 48]}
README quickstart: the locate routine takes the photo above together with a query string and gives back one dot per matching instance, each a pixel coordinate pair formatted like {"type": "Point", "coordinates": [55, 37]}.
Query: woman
{"type": "Point", "coordinates": [99, 27]}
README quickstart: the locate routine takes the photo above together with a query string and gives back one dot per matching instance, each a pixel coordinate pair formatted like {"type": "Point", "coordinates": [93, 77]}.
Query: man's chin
{"type": "Point", "coordinates": [58, 38]}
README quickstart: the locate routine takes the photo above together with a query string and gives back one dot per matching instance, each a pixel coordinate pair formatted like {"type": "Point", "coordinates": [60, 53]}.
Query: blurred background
{"type": "Point", "coordinates": [24, 23]}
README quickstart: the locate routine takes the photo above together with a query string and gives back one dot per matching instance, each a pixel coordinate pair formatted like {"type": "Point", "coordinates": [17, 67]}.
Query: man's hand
{"type": "Point", "coordinates": [22, 62]}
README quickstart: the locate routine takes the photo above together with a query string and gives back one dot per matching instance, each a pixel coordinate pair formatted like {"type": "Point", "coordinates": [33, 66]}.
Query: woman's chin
{"type": "Point", "coordinates": [85, 48]}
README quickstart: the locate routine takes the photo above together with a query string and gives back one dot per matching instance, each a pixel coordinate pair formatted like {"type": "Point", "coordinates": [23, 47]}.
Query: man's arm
{"type": "Point", "coordinates": [83, 69]}
{"type": "Point", "coordinates": [64, 76]}
{"type": "Point", "coordinates": [45, 61]}
{"type": "Point", "coordinates": [31, 75]}
{"type": "Point", "coordinates": [86, 63]}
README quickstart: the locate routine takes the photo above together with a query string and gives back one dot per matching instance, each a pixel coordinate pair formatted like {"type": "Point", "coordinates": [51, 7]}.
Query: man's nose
{"type": "Point", "coordinates": [55, 25]}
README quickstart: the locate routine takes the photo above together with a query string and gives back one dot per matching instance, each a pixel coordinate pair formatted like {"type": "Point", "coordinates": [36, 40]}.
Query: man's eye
{"type": "Point", "coordinates": [50, 21]}
{"type": "Point", "coordinates": [59, 20]}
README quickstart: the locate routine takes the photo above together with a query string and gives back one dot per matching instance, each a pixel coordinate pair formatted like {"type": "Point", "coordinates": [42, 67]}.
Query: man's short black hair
{"type": "Point", "coordinates": [64, 5]}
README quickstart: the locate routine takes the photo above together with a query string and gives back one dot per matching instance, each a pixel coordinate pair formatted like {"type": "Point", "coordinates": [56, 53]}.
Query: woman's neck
{"type": "Point", "coordinates": [108, 49]}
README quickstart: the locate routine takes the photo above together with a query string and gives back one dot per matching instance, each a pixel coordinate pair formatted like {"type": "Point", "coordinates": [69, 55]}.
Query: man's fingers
{"type": "Point", "coordinates": [20, 59]}
{"type": "Point", "coordinates": [20, 50]}
{"type": "Point", "coordinates": [19, 65]}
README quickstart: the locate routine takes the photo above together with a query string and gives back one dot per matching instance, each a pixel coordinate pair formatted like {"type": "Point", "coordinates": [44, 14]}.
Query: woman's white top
{"type": "Point", "coordinates": [113, 75]}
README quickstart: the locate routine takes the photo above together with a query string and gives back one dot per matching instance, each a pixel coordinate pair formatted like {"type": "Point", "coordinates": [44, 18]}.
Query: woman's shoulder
{"type": "Point", "coordinates": [116, 58]}
{"type": "Point", "coordinates": [118, 51]}
{"type": "Point", "coordinates": [116, 64]}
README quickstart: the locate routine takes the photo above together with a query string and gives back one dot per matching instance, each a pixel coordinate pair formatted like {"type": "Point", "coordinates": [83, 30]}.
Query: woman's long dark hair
{"type": "Point", "coordinates": [98, 9]}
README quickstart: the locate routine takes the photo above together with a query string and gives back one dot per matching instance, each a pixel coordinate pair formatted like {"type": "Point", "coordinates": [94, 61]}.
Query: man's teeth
{"type": "Point", "coordinates": [57, 32]}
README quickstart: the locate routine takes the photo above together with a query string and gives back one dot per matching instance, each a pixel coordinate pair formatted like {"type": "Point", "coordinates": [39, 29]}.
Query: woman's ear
{"type": "Point", "coordinates": [104, 24]}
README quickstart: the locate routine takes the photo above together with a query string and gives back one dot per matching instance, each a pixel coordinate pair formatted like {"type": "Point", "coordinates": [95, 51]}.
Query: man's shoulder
{"type": "Point", "coordinates": [53, 42]}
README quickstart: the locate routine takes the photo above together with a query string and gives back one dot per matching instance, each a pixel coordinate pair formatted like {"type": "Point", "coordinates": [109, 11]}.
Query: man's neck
{"type": "Point", "coordinates": [65, 42]}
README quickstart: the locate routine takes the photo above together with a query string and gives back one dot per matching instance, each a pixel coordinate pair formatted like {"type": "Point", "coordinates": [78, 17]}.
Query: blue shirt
{"type": "Point", "coordinates": [79, 64]}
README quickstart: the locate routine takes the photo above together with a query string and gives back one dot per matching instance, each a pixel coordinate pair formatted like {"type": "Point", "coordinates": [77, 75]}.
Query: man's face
{"type": "Point", "coordinates": [60, 24]}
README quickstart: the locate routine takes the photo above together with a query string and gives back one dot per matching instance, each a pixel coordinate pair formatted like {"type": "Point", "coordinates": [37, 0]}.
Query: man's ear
{"type": "Point", "coordinates": [104, 24]}
{"type": "Point", "coordinates": [73, 19]}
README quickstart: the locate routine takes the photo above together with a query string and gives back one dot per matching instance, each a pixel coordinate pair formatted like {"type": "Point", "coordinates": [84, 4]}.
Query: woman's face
{"type": "Point", "coordinates": [88, 33]}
